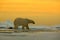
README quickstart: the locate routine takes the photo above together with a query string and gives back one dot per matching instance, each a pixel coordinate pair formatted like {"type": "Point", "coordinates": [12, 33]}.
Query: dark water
{"type": "Point", "coordinates": [30, 36]}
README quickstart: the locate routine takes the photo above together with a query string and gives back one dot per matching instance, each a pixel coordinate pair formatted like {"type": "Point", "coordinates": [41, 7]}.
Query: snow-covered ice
{"type": "Point", "coordinates": [30, 36]}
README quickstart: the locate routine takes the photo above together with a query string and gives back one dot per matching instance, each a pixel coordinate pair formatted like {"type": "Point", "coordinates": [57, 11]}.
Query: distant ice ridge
{"type": "Point", "coordinates": [6, 24]}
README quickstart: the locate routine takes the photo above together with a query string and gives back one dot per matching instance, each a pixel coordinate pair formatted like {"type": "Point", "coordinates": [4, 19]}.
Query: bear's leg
{"type": "Point", "coordinates": [27, 27]}
{"type": "Point", "coordinates": [23, 28]}
{"type": "Point", "coordinates": [15, 28]}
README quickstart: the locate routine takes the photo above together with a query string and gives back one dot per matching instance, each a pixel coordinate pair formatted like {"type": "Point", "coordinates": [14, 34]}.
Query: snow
{"type": "Point", "coordinates": [30, 36]}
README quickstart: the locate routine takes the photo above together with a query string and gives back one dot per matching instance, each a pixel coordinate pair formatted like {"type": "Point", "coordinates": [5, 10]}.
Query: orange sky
{"type": "Point", "coordinates": [45, 12]}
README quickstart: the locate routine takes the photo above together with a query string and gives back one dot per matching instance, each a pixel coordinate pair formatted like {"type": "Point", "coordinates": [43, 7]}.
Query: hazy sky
{"type": "Point", "coordinates": [43, 12]}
